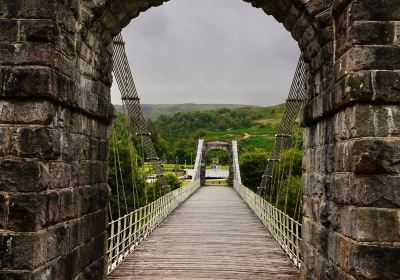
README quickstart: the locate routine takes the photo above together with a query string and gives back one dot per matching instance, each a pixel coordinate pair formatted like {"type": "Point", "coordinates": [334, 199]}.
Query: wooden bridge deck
{"type": "Point", "coordinates": [213, 235]}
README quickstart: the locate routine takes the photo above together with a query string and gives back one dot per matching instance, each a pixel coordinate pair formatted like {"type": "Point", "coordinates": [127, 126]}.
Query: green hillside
{"type": "Point", "coordinates": [175, 139]}
{"type": "Point", "coordinates": [254, 128]}
{"type": "Point", "coordinates": [153, 111]}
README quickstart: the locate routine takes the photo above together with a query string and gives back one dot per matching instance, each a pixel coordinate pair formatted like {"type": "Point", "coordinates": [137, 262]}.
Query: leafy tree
{"type": "Point", "coordinates": [173, 181]}
{"type": "Point", "coordinates": [252, 167]}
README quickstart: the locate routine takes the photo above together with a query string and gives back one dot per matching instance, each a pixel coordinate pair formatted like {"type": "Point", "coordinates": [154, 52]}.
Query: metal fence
{"type": "Point", "coordinates": [285, 230]}
{"type": "Point", "coordinates": [127, 232]}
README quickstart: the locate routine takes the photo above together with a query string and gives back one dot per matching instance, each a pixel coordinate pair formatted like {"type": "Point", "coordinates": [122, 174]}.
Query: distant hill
{"type": "Point", "coordinates": [152, 111]}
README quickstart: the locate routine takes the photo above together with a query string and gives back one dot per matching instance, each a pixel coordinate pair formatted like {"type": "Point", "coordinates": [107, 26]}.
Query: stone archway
{"type": "Point", "coordinates": [55, 78]}
{"type": "Point", "coordinates": [214, 145]}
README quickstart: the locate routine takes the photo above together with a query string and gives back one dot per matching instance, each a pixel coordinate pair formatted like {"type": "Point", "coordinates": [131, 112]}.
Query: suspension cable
{"type": "Point", "coordinates": [130, 97]}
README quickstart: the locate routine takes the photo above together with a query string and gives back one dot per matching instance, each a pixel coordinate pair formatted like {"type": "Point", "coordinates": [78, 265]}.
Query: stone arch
{"type": "Point", "coordinates": [213, 145]}
{"type": "Point", "coordinates": [55, 78]}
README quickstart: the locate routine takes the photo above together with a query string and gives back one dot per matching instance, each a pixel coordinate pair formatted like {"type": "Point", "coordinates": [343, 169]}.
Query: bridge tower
{"type": "Point", "coordinates": [225, 146]}
{"type": "Point", "coordinates": [55, 79]}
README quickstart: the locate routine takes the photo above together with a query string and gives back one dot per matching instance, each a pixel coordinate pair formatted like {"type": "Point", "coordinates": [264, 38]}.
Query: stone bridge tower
{"type": "Point", "coordinates": [209, 146]}
{"type": "Point", "coordinates": [55, 79]}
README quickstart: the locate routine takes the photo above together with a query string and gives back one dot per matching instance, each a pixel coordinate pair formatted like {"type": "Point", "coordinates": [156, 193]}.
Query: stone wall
{"type": "Point", "coordinates": [54, 112]}
{"type": "Point", "coordinates": [351, 227]}
{"type": "Point", "coordinates": [55, 76]}
{"type": "Point", "coordinates": [209, 146]}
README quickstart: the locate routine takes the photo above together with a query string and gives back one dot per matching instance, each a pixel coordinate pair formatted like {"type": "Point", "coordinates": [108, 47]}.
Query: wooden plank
{"type": "Point", "coordinates": [213, 235]}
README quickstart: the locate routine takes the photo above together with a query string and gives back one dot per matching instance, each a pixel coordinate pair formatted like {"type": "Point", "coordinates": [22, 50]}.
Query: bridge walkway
{"type": "Point", "coordinates": [213, 235]}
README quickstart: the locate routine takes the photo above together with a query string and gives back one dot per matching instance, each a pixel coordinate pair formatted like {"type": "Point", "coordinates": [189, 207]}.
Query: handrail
{"type": "Point", "coordinates": [285, 230]}
{"type": "Point", "coordinates": [127, 232]}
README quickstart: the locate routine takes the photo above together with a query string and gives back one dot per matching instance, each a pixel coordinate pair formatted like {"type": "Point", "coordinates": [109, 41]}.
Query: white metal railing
{"type": "Point", "coordinates": [285, 230]}
{"type": "Point", "coordinates": [127, 232]}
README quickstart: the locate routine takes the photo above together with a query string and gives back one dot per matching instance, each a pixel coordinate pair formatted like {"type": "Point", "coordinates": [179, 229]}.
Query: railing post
{"type": "Point", "coordinates": [111, 247]}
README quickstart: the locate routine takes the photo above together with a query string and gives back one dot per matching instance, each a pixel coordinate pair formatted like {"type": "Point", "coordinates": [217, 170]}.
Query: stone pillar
{"type": "Point", "coordinates": [351, 225]}
{"type": "Point", "coordinates": [54, 113]}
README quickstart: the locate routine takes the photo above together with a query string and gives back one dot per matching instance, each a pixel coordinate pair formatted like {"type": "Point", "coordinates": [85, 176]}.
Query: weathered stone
{"type": "Point", "coordinates": [40, 112]}
{"type": "Point", "coordinates": [17, 251]}
{"type": "Point", "coordinates": [370, 10]}
{"type": "Point", "coordinates": [27, 9]}
{"type": "Point", "coordinates": [58, 175]}
{"type": "Point", "coordinates": [9, 30]}
{"type": "Point", "coordinates": [366, 224]}
{"type": "Point", "coordinates": [93, 198]}
{"type": "Point", "coordinates": [4, 141]}
{"type": "Point", "coordinates": [372, 33]}
{"type": "Point", "coordinates": [373, 57]}
{"type": "Point", "coordinates": [97, 172]}
{"type": "Point", "coordinates": [21, 176]}
{"type": "Point", "coordinates": [368, 156]}
{"type": "Point", "coordinates": [369, 261]}
{"type": "Point", "coordinates": [37, 142]}
{"type": "Point", "coordinates": [80, 173]}
{"type": "Point", "coordinates": [3, 211]}
{"type": "Point", "coordinates": [35, 212]}
{"type": "Point", "coordinates": [23, 53]}
{"type": "Point", "coordinates": [386, 86]}
{"type": "Point", "coordinates": [39, 31]}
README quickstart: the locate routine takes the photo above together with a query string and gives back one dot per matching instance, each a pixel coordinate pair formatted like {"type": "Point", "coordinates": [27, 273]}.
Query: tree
{"type": "Point", "coordinates": [173, 181]}
{"type": "Point", "coordinates": [252, 166]}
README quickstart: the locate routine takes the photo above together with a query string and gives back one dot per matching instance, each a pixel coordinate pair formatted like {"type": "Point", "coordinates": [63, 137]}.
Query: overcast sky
{"type": "Point", "coordinates": [209, 51]}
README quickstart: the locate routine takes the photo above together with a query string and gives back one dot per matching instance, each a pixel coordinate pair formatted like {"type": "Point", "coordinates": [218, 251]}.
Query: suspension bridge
{"type": "Point", "coordinates": [209, 232]}
{"type": "Point", "coordinates": [58, 221]}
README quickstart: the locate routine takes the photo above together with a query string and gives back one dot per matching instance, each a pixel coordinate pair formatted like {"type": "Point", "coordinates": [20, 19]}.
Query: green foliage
{"type": "Point", "coordinates": [175, 139]}
{"type": "Point", "coordinates": [254, 127]}
{"type": "Point", "coordinates": [289, 192]}
{"type": "Point", "coordinates": [252, 166]}
{"type": "Point", "coordinates": [123, 172]}
{"type": "Point", "coordinates": [221, 155]}
{"type": "Point", "coordinates": [173, 181]}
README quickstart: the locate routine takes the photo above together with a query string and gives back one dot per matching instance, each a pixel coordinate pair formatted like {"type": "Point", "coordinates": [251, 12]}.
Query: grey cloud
{"type": "Point", "coordinates": [210, 51]}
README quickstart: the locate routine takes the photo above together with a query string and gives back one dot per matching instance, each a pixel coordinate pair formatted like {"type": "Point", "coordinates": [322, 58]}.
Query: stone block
{"type": "Point", "coordinates": [35, 212]}
{"type": "Point", "coordinates": [64, 268]}
{"type": "Point", "coordinates": [371, 261]}
{"type": "Point", "coordinates": [15, 275]}
{"type": "Point", "coordinates": [58, 175]}
{"type": "Point", "coordinates": [91, 225]}
{"type": "Point", "coordinates": [386, 86]}
{"type": "Point", "coordinates": [373, 191]}
{"type": "Point", "coordinates": [93, 198]}
{"type": "Point", "coordinates": [27, 213]}
{"type": "Point", "coordinates": [370, 224]}
{"type": "Point", "coordinates": [92, 251]}
{"type": "Point", "coordinates": [27, 9]}
{"type": "Point", "coordinates": [3, 211]}
{"type": "Point", "coordinates": [9, 30]}
{"type": "Point", "coordinates": [98, 172]}
{"type": "Point", "coordinates": [368, 156]}
{"type": "Point", "coordinates": [73, 147]}
{"type": "Point", "coordinates": [39, 30]}
{"type": "Point", "coordinates": [39, 142]}
{"type": "Point", "coordinates": [15, 112]}
{"type": "Point", "coordinates": [95, 271]}
{"type": "Point", "coordinates": [356, 86]}
{"type": "Point", "coordinates": [36, 53]}
{"type": "Point", "coordinates": [18, 251]}
{"type": "Point", "coordinates": [373, 57]}
{"type": "Point", "coordinates": [373, 10]}
{"type": "Point", "coordinates": [315, 7]}
{"type": "Point", "coordinates": [4, 141]}
{"type": "Point", "coordinates": [372, 33]}
{"type": "Point", "coordinates": [373, 120]}
{"type": "Point", "coordinates": [21, 176]}
{"type": "Point", "coordinates": [80, 173]}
